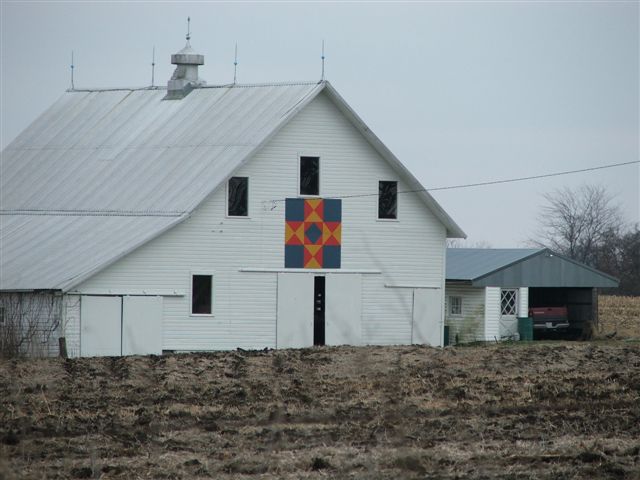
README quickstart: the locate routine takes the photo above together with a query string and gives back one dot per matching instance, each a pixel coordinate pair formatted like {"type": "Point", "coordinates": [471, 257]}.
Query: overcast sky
{"type": "Point", "coordinates": [461, 92]}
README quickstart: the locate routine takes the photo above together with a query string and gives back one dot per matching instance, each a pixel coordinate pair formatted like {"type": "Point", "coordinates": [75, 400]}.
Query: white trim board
{"type": "Point", "coordinates": [308, 270]}
{"type": "Point", "coordinates": [133, 293]}
{"type": "Point", "coordinates": [400, 285]}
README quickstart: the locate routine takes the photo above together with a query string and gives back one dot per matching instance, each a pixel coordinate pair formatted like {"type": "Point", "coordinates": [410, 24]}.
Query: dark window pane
{"type": "Point", "coordinates": [387, 199]}
{"type": "Point", "coordinates": [238, 201]}
{"type": "Point", "coordinates": [201, 294]}
{"type": "Point", "coordinates": [309, 176]}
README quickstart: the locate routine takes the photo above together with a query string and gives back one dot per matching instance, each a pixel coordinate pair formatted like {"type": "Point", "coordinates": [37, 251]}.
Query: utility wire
{"type": "Point", "coordinates": [491, 182]}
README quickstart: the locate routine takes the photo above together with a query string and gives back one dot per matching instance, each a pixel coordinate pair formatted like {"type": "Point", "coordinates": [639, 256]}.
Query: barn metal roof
{"type": "Point", "coordinates": [521, 267]}
{"type": "Point", "coordinates": [103, 171]}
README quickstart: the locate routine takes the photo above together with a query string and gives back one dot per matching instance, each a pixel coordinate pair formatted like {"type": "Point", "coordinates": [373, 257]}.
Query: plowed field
{"type": "Point", "coordinates": [558, 410]}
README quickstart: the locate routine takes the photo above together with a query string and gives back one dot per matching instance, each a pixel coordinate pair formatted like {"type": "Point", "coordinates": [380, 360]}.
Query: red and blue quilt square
{"type": "Point", "coordinates": [313, 231]}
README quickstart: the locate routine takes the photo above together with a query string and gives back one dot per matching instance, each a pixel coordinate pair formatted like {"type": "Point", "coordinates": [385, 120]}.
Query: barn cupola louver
{"type": "Point", "coordinates": [185, 77]}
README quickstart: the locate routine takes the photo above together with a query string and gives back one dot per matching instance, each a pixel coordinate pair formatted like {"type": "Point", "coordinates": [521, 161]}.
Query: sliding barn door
{"type": "Point", "coordinates": [343, 305]}
{"type": "Point", "coordinates": [100, 332]}
{"type": "Point", "coordinates": [142, 326]}
{"type": "Point", "coordinates": [294, 325]}
{"type": "Point", "coordinates": [427, 324]}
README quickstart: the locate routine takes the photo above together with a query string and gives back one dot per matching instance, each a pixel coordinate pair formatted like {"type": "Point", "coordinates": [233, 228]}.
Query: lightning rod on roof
{"type": "Point", "coordinates": [153, 66]}
{"type": "Point", "coordinates": [72, 67]}
{"type": "Point", "coordinates": [322, 77]}
{"type": "Point", "coordinates": [235, 65]}
{"type": "Point", "coordinates": [188, 29]}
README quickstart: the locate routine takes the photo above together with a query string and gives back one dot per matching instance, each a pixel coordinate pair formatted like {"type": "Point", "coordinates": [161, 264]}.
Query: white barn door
{"type": "Point", "coordinates": [427, 324]}
{"type": "Point", "coordinates": [142, 325]}
{"type": "Point", "coordinates": [294, 324]}
{"type": "Point", "coordinates": [343, 309]}
{"type": "Point", "coordinates": [100, 332]}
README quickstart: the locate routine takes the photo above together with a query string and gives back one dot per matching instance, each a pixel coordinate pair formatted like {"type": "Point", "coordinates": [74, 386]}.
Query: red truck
{"type": "Point", "coordinates": [549, 318]}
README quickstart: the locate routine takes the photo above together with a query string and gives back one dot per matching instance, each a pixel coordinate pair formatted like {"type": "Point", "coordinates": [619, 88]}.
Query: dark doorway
{"type": "Point", "coordinates": [580, 310]}
{"type": "Point", "coordinates": [318, 311]}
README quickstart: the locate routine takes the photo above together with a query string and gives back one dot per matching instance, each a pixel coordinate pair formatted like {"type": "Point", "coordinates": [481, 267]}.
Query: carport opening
{"type": "Point", "coordinates": [580, 310]}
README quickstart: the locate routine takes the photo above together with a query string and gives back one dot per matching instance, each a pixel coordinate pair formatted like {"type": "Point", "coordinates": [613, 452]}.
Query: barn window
{"type": "Point", "coordinates": [238, 197]}
{"type": "Point", "coordinates": [201, 294]}
{"type": "Point", "coordinates": [3, 315]}
{"type": "Point", "coordinates": [309, 175]}
{"type": "Point", "coordinates": [387, 200]}
{"type": "Point", "coordinates": [508, 302]}
{"type": "Point", "coordinates": [455, 305]}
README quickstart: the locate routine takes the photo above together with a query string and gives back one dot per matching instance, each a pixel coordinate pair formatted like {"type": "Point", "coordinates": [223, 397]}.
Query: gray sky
{"type": "Point", "coordinates": [460, 92]}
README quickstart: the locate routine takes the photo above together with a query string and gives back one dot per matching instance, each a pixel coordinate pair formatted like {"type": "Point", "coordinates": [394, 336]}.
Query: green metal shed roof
{"type": "Point", "coordinates": [521, 267]}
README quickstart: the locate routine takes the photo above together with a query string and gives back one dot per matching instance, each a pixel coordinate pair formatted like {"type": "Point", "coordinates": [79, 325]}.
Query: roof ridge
{"type": "Point", "coordinates": [223, 85]}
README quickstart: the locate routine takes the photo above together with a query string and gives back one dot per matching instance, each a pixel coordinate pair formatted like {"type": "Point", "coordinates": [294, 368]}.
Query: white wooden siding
{"type": "Point", "coordinates": [492, 313]}
{"type": "Point", "coordinates": [523, 301]}
{"type": "Point", "coordinates": [469, 325]}
{"type": "Point", "coordinates": [409, 251]}
{"type": "Point", "coordinates": [71, 324]}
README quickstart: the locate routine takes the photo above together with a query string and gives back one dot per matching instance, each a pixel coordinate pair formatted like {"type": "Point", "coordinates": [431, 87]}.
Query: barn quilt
{"type": "Point", "coordinates": [313, 229]}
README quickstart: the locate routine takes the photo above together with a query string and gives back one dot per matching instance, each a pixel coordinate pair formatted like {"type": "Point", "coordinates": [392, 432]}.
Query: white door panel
{"type": "Point", "coordinates": [294, 328]}
{"type": "Point", "coordinates": [343, 309]}
{"type": "Point", "coordinates": [100, 326]}
{"type": "Point", "coordinates": [141, 325]}
{"type": "Point", "coordinates": [427, 325]}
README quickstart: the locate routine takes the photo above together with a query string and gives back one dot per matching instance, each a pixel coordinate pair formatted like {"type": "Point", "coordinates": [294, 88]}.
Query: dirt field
{"type": "Point", "coordinates": [555, 410]}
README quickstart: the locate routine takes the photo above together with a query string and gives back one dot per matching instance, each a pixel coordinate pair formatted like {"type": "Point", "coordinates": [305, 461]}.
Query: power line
{"type": "Point", "coordinates": [533, 177]}
{"type": "Point", "coordinates": [492, 182]}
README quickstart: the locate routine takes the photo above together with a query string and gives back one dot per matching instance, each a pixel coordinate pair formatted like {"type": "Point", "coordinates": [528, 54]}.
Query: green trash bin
{"type": "Point", "coordinates": [525, 328]}
{"type": "Point", "coordinates": [446, 335]}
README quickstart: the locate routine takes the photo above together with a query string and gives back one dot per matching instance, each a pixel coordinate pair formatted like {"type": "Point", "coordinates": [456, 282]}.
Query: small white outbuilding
{"type": "Point", "coordinates": [487, 290]}
{"type": "Point", "coordinates": [215, 217]}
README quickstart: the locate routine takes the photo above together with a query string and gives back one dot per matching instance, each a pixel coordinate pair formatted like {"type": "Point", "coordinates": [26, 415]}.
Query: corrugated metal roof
{"type": "Point", "coordinates": [471, 263]}
{"type": "Point", "coordinates": [522, 267]}
{"type": "Point", "coordinates": [51, 252]}
{"type": "Point", "coordinates": [103, 171]}
{"type": "Point", "coordinates": [117, 150]}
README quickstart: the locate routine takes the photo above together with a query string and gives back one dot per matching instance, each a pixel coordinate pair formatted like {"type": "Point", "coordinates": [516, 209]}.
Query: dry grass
{"type": "Point", "coordinates": [619, 315]}
{"type": "Point", "coordinates": [560, 410]}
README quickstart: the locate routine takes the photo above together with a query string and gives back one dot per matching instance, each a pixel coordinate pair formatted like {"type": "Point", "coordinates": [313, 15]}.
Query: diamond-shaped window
{"type": "Point", "coordinates": [508, 302]}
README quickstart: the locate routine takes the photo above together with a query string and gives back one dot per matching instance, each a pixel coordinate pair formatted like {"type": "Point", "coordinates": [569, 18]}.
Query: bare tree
{"type": "Point", "coordinates": [578, 222]}
{"type": "Point", "coordinates": [28, 322]}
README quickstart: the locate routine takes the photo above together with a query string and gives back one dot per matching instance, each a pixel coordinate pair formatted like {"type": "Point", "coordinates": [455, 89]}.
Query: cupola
{"type": "Point", "coordinates": [185, 77]}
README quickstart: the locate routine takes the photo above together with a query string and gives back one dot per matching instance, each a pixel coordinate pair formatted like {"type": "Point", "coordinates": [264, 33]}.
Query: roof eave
{"type": "Point", "coordinates": [452, 228]}
{"type": "Point", "coordinates": [615, 282]}
{"type": "Point", "coordinates": [583, 265]}
{"type": "Point", "coordinates": [508, 265]}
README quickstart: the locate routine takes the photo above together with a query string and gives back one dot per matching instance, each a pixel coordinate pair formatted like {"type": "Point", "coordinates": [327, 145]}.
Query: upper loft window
{"type": "Point", "coordinates": [201, 294]}
{"type": "Point", "coordinates": [309, 175]}
{"type": "Point", "coordinates": [387, 199]}
{"type": "Point", "coordinates": [238, 197]}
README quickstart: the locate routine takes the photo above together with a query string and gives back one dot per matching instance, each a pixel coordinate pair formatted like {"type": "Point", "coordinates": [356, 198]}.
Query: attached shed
{"type": "Point", "coordinates": [488, 289]}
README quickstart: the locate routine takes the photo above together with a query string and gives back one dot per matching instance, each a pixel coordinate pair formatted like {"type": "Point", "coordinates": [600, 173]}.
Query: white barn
{"type": "Point", "coordinates": [137, 221]}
